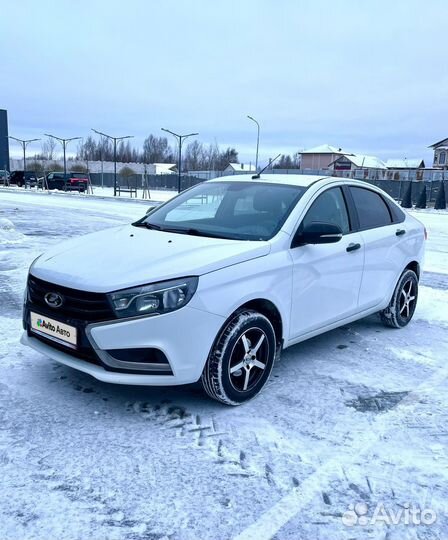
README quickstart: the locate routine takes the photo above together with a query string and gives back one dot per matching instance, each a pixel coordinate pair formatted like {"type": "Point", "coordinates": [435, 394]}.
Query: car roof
{"type": "Point", "coordinates": [302, 180]}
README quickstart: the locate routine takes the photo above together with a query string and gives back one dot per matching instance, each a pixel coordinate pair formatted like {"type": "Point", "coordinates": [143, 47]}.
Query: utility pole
{"type": "Point", "coordinates": [180, 140]}
{"type": "Point", "coordinates": [24, 143]}
{"type": "Point", "coordinates": [114, 139]}
{"type": "Point", "coordinates": [258, 142]}
{"type": "Point", "coordinates": [64, 143]}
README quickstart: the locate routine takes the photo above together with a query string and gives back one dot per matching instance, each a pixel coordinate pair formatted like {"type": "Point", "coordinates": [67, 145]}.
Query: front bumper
{"type": "Point", "coordinates": [185, 338]}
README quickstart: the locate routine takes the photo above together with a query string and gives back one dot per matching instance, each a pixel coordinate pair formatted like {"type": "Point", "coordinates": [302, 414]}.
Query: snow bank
{"type": "Point", "coordinates": [432, 305]}
{"type": "Point", "coordinates": [9, 234]}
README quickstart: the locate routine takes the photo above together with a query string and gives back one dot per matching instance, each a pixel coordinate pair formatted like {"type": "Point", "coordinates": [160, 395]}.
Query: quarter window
{"type": "Point", "coordinates": [329, 208]}
{"type": "Point", "coordinates": [372, 210]}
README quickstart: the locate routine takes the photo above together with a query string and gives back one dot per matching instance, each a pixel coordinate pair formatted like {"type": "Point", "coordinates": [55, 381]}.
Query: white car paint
{"type": "Point", "coordinates": [125, 256]}
{"type": "Point", "coordinates": [314, 287]}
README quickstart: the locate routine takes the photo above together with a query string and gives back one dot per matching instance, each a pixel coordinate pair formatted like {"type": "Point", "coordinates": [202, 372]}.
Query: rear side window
{"type": "Point", "coordinates": [372, 210]}
{"type": "Point", "coordinates": [398, 216]}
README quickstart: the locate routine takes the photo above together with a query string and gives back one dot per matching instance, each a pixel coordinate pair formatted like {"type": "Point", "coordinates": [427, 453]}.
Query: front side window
{"type": "Point", "coordinates": [329, 207]}
{"type": "Point", "coordinates": [372, 210]}
{"type": "Point", "coordinates": [234, 210]}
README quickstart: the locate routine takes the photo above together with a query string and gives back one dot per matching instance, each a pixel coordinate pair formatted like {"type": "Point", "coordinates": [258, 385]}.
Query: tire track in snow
{"type": "Point", "coordinates": [289, 506]}
{"type": "Point", "coordinates": [203, 432]}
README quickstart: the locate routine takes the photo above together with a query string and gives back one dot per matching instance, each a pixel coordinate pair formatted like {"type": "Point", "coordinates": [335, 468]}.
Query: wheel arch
{"type": "Point", "coordinates": [269, 310]}
{"type": "Point", "coordinates": [415, 267]}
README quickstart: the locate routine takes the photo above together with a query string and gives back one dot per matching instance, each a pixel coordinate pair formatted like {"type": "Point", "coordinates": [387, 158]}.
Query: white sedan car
{"type": "Point", "coordinates": [213, 284]}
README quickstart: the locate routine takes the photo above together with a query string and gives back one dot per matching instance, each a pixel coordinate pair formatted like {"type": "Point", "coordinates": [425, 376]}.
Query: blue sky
{"type": "Point", "coordinates": [370, 77]}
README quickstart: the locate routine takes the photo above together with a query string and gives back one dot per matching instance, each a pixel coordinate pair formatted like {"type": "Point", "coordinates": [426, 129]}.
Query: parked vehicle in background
{"type": "Point", "coordinates": [213, 284]}
{"type": "Point", "coordinates": [71, 181]}
{"type": "Point", "coordinates": [4, 177]}
{"type": "Point", "coordinates": [23, 178]}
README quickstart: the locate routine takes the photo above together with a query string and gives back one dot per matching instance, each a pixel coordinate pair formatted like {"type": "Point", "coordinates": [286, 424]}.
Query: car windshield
{"type": "Point", "coordinates": [233, 210]}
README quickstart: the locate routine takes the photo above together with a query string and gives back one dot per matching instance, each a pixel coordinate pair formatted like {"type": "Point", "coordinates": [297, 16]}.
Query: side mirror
{"type": "Point", "coordinates": [317, 233]}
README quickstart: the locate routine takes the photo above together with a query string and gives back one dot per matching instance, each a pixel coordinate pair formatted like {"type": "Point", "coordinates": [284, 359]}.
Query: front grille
{"type": "Point", "coordinates": [81, 305]}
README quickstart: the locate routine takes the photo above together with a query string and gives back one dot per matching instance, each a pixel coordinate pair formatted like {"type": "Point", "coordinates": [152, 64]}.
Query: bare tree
{"type": "Point", "coordinates": [194, 156]}
{"type": "Point", "coordinates": [48, 147]}
{"type": "Point", "coordinates": [79, 167]}
{"type": "Point", "coordinates": [87, 150]}
{"type": "Point", "coordinates": [157, 150]}
{"type": "Point", "coordinates": [287, 162]}
{"type": "Point", "coordinates": [230, 155]}
{"type": "Point", "coordinates": [127, 171]}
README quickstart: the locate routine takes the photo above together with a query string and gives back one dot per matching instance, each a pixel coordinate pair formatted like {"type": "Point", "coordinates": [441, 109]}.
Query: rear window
{"type": "Point", "coordinates": [77, 175]}
{"type": "Point", "coordinates": [372, 210]}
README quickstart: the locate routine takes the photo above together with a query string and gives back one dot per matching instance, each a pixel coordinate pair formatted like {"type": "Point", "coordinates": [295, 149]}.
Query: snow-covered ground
{"type": "Point", "coordinates": [156, 195]}
{"type": "Point", "coordinates": [357, 416]}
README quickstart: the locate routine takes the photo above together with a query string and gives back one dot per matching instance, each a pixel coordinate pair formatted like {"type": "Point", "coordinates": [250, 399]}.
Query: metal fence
{"type": "Point", "coordinates": [416, 175]}
{"type": "Point", "coordinates": [140, 181]}
{"type": "Point", "coordinates": [395, 187]}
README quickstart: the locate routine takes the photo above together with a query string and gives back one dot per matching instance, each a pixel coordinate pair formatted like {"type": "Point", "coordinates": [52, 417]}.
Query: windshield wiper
{"type": "Point", "coordinates": [190, 231]}
{"type": "Point", "coordinates": [196, 232]}
{"type": "Point", "coordinates": [150, 226]}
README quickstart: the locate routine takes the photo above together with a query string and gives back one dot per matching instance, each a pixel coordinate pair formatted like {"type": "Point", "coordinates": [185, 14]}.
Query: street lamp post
{"type": "Point", "coordinates": [64, 143]}
{"type": "Point", "coordinates": [180, 139]}
{"type": "Point", "coordinates": [114, 139]}
{"type": "Point", "coordinates": [24, 143]}
{"type": "Point", "coordinates": [258, 141]}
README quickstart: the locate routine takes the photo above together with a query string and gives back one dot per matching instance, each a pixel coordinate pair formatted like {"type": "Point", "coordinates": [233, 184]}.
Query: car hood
{"type": "Point", "coordinates": [127, 256]}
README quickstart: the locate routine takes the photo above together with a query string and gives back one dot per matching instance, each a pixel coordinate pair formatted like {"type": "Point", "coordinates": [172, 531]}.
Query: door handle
{"type": "Point", "coordinates": [400, 232]}
{"type": "Point", "coordinates": [353, 247]}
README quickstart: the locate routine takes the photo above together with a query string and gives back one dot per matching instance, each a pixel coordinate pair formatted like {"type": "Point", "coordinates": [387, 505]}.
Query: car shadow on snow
{"type": "Point", "coordinates": [341, 341]}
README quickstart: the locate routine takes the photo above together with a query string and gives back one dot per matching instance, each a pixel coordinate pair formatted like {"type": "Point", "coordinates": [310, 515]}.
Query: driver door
{"type": "Point", "coordinates": [326, 277]}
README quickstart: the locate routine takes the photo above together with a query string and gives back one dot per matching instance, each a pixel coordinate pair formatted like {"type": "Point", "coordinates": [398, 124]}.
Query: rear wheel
{"type": "Point", "coordinates": [403, 303]}
{"type": "Point", "coordinates": [241, 359]}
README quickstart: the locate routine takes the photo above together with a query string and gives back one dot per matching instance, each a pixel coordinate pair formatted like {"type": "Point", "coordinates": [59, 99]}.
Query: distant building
{"type": "Point", "coordinates": [160, 168]}
{"type": "Point", "coordinates": [350, 162]}
{"type": "Point", "coordinates": [235, 168]}
{"type": "Point", "coordinates": [4, 141]}
{"type": "Point", "coordinates": [320, 157]}
{"type": "Point", "coordinates": [204, 175]}
{"type": "Point", "coordinates": [440, 154]}
{"type": "Point", "coordinates": [405, 163]}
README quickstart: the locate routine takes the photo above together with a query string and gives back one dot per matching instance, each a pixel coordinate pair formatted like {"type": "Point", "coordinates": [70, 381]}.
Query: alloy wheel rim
{"type": "Point", "coordinates": [408, 298]}
{"type": "Point", "coordinates": [249, 359]}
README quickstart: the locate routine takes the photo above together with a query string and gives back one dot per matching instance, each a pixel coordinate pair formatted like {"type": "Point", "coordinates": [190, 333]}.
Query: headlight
{"type": "Point", "coordinates": [158, 298]}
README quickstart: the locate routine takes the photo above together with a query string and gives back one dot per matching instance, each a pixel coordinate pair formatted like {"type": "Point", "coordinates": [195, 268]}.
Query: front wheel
{"type": "Point", "coordinates": [403, 303]}
{"type": "Point", "coordinates": [241, 359]}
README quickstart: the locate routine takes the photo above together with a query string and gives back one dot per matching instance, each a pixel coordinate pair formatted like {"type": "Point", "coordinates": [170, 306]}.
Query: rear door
{"type": "Point", "coordinates": [326, 277]}
{"type": "Point", "coordinates": [381, 238]}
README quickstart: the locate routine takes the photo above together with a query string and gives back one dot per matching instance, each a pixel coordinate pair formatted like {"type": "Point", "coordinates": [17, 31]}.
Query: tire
{"type": "Point", "coordinates": [19, 183]}
{"type": "Point", "coordinates": [402, 306]}
{"type": "Point", "coordinates": [233, 373]}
